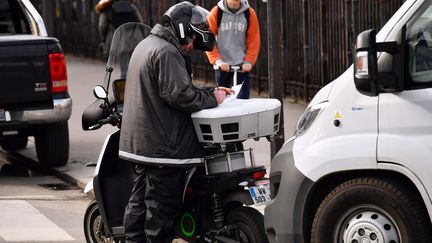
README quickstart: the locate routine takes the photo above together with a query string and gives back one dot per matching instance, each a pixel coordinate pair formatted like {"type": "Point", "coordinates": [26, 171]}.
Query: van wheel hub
{"type": "Point", "coordinates": [368, 226]}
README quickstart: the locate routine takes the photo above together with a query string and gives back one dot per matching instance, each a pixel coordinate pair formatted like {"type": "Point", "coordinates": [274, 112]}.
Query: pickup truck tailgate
{"type": "Point", "coordinates": [25, 72]}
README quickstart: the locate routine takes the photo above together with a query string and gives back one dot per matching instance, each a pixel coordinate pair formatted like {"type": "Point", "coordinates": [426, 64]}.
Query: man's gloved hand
{"type": "Point", "coordinates": [221, 92]}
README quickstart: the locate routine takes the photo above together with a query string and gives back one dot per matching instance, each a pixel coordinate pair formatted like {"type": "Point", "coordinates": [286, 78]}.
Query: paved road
{"type": "Point", "coordinates": [30, 208]}
{"type": "Point", "coordinates": [37, 207]}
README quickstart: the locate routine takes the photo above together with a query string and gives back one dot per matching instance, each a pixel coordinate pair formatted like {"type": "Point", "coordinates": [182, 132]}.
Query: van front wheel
{"type": "Point", "coordinates": [371, 210]}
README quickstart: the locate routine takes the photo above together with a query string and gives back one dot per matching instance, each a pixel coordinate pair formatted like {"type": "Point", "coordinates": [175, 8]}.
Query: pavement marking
{"type": "Point", "coordinates": [27, 197]}
{"type": "Point", "coordinates": [20, 221]}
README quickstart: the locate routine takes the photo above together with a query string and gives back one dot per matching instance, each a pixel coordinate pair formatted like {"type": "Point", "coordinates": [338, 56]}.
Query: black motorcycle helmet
{"type": "Point", "coordinates": [188, 20]}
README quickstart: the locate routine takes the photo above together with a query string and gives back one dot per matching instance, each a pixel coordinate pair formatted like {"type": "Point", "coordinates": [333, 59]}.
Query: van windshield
{"type": "Point", "coordinates": [419, 41]}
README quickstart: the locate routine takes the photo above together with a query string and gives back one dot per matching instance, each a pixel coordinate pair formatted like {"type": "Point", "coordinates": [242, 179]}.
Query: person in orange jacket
{"type": "Point", "coordinates": [235, 24]}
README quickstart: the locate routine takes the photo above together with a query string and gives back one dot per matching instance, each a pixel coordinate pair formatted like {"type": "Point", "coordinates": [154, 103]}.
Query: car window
{"type": "Point", "coordinates": [12, 18]}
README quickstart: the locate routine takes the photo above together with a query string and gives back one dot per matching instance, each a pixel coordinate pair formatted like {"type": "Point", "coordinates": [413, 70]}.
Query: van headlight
{"type": "Point", "coordinates": [308, 117]}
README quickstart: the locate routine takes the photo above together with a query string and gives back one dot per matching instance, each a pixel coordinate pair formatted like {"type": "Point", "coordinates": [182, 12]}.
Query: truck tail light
{"type": "Point", "coordinates": [58, 72]}
{"type": "Point", "coordinates": [259, 174]}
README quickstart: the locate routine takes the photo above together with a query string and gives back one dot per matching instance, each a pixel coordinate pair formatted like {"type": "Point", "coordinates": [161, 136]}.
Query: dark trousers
{"type": "Point", "coordinates": [154, 205]}
{"type": "Point", "coordinates": [225, 79]}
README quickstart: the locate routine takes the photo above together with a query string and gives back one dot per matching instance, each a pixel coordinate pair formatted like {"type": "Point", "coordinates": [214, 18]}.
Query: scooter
{"type": "Point", "coordinates": [217, 196]}
{"type": "Point", "coordinates": [213, 206]}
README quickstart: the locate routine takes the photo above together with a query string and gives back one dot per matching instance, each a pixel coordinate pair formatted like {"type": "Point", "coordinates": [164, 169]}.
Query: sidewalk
{"type": "Point", "coordinates": [75, 172]}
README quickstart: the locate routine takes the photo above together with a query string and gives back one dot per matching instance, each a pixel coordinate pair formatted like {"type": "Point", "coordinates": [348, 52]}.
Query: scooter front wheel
{"type": "Point", "coordinates": [250, 224]}
{"type": "Point", "coordinates": [94, 229]}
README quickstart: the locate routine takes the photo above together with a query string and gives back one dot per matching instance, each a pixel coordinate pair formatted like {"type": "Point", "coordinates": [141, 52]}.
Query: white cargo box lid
{"type": "Point", "coordinates": [237, 120]}
{"type": "Point", "coordinates": [238, 107]}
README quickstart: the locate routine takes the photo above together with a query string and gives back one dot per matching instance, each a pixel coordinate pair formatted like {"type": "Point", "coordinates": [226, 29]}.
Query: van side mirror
{"type": "Point", "coordinates": [365, 62]}
{"type": "Point", "coordinates": [368, 77]}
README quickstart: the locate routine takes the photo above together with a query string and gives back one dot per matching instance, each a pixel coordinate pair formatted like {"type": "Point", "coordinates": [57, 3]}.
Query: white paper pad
{"type": "Point", "coordinates": [232, 97]}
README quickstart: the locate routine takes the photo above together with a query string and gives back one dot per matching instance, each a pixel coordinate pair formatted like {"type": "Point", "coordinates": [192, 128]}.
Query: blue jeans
{"type": "Point", "coordinates": [225, 79]}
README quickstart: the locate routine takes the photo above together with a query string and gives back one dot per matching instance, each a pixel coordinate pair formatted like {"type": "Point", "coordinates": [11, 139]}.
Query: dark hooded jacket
{"type": "Point", "coordinates": [159, 98]}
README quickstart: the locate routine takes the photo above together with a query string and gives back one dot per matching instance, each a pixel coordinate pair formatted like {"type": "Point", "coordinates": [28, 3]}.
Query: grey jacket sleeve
{"type": "Point", "coordinates": [175, 84]}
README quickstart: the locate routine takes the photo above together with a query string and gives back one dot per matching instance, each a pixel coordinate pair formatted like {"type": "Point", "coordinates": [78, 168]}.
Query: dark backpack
{"type": "Point", "coordinates": [121, 12]}
{"type": "Point", "coordinates": [246, 14]}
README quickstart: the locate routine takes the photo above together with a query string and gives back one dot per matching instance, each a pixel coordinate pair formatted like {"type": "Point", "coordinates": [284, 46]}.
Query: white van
{"type": "Point", "coordinates": [359, 168]}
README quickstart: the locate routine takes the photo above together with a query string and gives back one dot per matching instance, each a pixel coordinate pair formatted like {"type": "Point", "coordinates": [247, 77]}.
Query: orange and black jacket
{"type": "Point", "coordinates": [238, 38]}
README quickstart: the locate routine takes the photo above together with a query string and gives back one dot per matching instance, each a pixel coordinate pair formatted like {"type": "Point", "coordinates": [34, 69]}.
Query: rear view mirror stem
{"type": "Point", "coordinates": [109, 70]}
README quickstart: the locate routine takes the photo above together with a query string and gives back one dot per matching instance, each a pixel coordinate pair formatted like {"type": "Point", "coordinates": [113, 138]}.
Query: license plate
{"type": "Point", "coordinates": [260, 194]}
{"type": "Point", "coordinates": [2, 115]}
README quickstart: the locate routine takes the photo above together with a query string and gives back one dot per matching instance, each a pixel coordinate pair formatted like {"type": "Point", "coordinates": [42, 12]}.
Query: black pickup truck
{"type": "Point", "coordinates": [34, 98]}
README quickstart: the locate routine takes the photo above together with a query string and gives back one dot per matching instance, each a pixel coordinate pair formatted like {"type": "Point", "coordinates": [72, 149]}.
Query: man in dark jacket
{"type": "Point", "coordinates": [157, 132]}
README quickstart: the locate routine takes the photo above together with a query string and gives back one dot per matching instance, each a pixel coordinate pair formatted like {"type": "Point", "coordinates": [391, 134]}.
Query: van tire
{"type": "Point", "coordinates": [376, 201]}
{"type": "Point", "coordinates": [13, 143]}
{"type": "Point", "coordinates": [52, 144]}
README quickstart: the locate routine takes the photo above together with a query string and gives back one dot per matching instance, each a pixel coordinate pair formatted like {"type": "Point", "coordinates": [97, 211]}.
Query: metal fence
{"type": "Point", "coordinates": [329, 31]}
{"type": "Point", "coordinates": [317, 36]}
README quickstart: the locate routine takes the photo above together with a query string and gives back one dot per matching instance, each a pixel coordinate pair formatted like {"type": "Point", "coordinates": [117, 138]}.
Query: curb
{"type": "Point", "coordinates": [58, 172]}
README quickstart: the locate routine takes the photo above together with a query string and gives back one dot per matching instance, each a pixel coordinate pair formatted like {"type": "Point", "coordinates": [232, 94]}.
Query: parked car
{"type": "Point", "coordinates": [359, 167]}
{"type": "Point", "coordinates": [34, 98]}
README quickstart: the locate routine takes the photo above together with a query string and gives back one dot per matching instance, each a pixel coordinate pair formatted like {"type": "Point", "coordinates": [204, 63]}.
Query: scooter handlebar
{"type": "Point", "coordinates": [232, 68]}
{"type": "Point", "coordinates": [105, 121]}
{"type": "Point", "coordinates": [112, 119]}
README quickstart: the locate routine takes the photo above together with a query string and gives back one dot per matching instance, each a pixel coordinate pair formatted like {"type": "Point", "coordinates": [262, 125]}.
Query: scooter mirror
{"type": "Point", "coordinates": [100, 92]}
{"type": "Point", "coordinates": [92, 115]}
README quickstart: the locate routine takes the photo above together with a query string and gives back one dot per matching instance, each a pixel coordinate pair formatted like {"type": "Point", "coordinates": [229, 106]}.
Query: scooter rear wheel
{"type": "Point", "coordinates": [250, 223]}
{"type": "Point", "coordinates": [94, 229]}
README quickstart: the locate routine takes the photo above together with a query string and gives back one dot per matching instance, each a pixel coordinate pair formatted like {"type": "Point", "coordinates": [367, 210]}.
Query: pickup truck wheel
{"type": "Point", "coordinates": [371, 210]}
{"type": "Point", "coordinates": [52, 144]}
{"type": "Point", "coordinates": [13, 143]}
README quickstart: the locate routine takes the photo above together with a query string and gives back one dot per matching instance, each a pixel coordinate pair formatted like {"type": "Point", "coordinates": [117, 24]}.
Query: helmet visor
{"type": "Point", "coordinates": [199, 16]}
{"type": "Point", "coordinates": [204, 39]}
